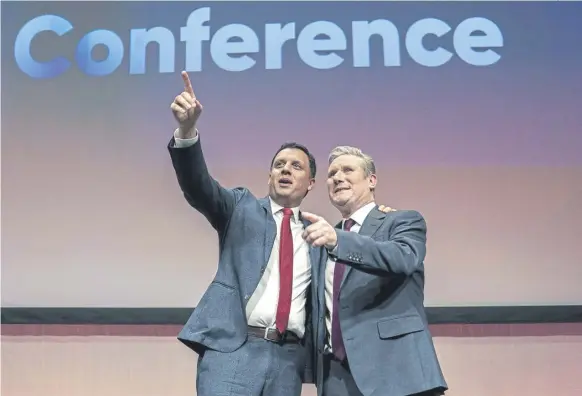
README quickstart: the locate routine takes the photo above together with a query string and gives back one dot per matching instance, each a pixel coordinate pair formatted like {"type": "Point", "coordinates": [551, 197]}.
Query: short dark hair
{"type": "Point", "coordinates": [293, 145]}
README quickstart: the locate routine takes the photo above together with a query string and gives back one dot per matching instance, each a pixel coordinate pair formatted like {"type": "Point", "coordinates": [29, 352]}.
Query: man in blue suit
{"type": "Point", "coordinates": [373, 338]}
{"type": "Point", "coordinates": [251, 326]}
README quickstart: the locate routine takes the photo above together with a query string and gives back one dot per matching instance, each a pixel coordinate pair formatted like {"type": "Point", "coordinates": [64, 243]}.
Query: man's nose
{"type": "Point", "coordinates": [286, 169]}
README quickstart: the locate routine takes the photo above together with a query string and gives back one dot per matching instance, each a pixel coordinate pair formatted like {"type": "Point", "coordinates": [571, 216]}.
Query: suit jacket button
{"type": "Point", "coordinates": [246, 297]}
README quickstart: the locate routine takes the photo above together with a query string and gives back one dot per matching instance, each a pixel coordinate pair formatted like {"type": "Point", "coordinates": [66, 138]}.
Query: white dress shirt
{"type": "Point", "coordinates": [359, 216]}
{"type": "Point", "coordinates": [261, 309]}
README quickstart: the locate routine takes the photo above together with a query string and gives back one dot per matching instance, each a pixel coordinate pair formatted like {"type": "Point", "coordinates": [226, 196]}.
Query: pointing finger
{"type": "Point", "coordinates": [187, 84]}
{"type": "Point", "coordinates": [310, 217]}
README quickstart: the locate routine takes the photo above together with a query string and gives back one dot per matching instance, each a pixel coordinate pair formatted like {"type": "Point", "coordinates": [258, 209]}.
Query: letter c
{"type": "Point", "coordinates": [22, 55]}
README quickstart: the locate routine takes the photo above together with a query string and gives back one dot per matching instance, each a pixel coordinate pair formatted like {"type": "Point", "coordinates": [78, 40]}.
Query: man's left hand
{"type": "Point", "coordinates": [386, 209]}
{"type": "Point", "coordinates": [319, 232]}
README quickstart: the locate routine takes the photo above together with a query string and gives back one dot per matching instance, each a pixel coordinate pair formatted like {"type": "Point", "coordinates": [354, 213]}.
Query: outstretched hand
{"type": "Point", "coordinates": [319, 232]}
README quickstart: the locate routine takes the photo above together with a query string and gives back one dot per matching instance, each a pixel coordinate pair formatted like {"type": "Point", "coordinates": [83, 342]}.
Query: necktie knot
{"type": "Point", "coordinates": [287, 212]}
{"type": "Point", "coordinates": [349, 223]}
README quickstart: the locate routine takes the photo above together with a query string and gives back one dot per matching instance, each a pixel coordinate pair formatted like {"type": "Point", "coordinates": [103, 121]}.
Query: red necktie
{"type": "Point", "coordinates": [285, 272]}
{"type": "Point", "coordinates": [337, 342]}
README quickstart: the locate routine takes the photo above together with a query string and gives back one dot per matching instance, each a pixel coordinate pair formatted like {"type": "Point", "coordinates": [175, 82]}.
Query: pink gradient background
{"type": "Point", "coordinates": [93, 216]}
{"type": "Point", "coordinates": [516, 246]}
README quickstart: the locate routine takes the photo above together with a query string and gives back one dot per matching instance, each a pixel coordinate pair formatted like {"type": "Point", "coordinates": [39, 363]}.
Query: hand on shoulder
{"type": "Point", "coordinates": [386, 209]}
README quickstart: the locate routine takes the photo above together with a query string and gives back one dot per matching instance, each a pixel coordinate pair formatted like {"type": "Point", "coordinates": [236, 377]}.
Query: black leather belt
{"type": "Point", "coordinates": [273, 335]}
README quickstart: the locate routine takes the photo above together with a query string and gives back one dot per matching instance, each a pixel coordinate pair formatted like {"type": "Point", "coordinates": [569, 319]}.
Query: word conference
{"type": "Point", "coordinates": [236, 47]}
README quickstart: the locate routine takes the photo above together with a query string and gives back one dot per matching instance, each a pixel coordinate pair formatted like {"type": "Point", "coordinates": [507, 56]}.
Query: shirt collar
{"type": "Point", "coordinates": [360, 215]}
{"type": "Point", "coordinates": [275, 207]}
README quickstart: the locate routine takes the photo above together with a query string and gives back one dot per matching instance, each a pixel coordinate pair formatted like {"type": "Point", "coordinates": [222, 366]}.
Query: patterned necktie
{"type": "Point", "coordinates": [285, 272]}
{"type": "Point", "coordinates": [337, 343]}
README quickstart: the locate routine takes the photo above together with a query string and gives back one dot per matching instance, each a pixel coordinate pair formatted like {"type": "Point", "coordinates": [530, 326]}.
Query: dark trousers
{"type": "Point", "coordinates": [338, 380]}
{"type": "Point", "coordinates": [258, 368]}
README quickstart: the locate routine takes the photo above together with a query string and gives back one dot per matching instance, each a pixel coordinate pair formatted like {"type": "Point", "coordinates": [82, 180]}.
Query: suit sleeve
{"type": "Point", "coordinates": [402, 253]}
{"type": "Point", "coordinates": [201, 191]}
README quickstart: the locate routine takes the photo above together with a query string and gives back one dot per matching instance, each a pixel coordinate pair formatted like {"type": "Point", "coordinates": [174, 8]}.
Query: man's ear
{"type": "Point", "coordinates": [311, 185]}
{"type": "Point", "coordinates": [372, 181]}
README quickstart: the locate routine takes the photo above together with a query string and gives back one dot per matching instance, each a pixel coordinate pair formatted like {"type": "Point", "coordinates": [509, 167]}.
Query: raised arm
{"type": "Point", "coordinates": [201, 191]}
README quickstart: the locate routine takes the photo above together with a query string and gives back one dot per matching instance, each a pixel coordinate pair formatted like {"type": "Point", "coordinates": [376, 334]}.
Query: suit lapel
{"type": "Point", "coordinates": [348, 268]}
{"type": "Point", "coordinates": [270, 230]}
{"type": "Point", "coordinates": [314, 253]}
{"type": "Point", "coordinates": [318, 262]}
{"type": "Point", "coordinates": [371, 225]}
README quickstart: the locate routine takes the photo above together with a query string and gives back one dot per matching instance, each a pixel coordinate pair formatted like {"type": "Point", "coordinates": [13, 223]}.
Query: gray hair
{"type": "Point", "coordinates": [369, 167]}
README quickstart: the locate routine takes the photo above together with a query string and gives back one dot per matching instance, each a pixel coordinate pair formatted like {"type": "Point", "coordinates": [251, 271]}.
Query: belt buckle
{"type": "Point", "coordinates": [267, 332]}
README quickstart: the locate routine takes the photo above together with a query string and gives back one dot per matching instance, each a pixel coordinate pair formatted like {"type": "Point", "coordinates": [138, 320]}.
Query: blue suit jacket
{"type": "Point", "coordinates": [246, 231]}
{"type": "Point", "coordinates": [384, 326]}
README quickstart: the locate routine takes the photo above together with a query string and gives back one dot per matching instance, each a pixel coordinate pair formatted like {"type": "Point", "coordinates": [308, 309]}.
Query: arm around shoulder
{"type": "Point", "coordinates": [402, 251]}
{"type": "Point", "coordinates": [200, 189]}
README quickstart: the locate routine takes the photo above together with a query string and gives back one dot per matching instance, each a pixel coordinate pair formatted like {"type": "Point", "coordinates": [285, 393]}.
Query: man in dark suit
{"type": "Point", "coordinates": [373, 338]}
{"type": "Point", "coordinates": [251, 326]}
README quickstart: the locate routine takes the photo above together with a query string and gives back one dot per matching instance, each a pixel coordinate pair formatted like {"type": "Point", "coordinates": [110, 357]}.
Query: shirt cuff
{"type": "Point", "coordinates": [183, 143]}
{"type": "Point", "coordinates": [333, 252]}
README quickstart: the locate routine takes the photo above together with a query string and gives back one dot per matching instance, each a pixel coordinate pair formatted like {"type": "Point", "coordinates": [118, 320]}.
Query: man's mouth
{"type": "Point", "coordinates": [285, 181]}
{"type": "Point", "coordinates": [342, 188]}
